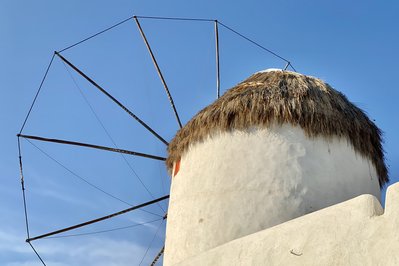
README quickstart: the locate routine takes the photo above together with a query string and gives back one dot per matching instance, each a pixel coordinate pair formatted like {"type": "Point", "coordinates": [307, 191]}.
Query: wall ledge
{"type": "Point", "coordinates": [354, 232]}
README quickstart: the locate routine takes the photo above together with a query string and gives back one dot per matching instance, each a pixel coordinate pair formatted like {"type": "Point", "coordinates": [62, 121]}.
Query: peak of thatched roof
{"type": "Point", "coordinates": [277, 97]}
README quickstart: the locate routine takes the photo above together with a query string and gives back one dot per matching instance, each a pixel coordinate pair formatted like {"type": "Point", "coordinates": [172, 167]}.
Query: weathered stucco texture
{"type": "Point", "coordinates": [355, 232]}
{"type": "Point", "coordinates": [240, 182]}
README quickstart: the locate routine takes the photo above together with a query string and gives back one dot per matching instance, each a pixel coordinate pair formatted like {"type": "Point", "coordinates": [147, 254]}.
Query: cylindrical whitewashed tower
{"type": "Point", "coordinates": [275, 147]}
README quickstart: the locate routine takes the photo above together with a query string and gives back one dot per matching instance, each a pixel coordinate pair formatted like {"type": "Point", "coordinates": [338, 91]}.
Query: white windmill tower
{"type": "Point", "coordinates": [277, 146]}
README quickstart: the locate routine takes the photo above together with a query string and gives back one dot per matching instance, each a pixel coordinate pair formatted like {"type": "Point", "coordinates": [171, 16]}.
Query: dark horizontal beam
{"type": "Point", "coordinates": [74, 143]}
{"type": "Point", "coordinates": [98, 219]}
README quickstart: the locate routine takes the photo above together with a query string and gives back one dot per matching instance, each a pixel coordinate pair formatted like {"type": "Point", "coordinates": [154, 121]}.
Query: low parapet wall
{"type": "Point", "coordinates": [355, 232]}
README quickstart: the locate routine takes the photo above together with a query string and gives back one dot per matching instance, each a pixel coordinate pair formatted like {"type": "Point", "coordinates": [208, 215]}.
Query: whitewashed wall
{"type": "Point", "coordinates": [237, 183]}
{"type": "Point", "coordinates": [356, 232]}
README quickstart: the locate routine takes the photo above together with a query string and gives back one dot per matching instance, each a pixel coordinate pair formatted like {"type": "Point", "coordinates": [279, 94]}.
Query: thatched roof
{"type": "Point", "coordinates": [277, 97]}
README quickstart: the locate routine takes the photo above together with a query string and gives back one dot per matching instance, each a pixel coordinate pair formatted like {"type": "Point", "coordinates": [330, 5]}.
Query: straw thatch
{"type": "Point", "coordinates": [277, 97]}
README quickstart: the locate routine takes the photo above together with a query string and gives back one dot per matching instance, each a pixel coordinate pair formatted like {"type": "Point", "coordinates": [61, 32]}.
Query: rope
{"type": "Point", "coordinates": [84, 179]}
{"type": "Point", "coordinates": [104, 231]}
{"type": "Point", "coordinates": [37, 93]}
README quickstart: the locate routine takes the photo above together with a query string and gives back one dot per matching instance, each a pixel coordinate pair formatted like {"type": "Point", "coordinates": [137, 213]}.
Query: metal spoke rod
{"type": "Point", "coordinates": [158, 256]}
{"type": "Point", "coordinates": [112, 98]}
{"type": "Point", "coordinates": [159, 72]}
{"type": "Point", "coordinates": [61, 141]}
{"type": "Point", "coordinates": [98, 219]}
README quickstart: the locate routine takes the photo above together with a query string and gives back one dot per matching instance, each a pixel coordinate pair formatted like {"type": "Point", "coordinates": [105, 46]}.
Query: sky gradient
{"type": "Point", "coordinates": [352, 46]}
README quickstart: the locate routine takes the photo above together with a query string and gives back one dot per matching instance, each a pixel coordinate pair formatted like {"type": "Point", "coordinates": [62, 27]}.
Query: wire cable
{"type": "Point", "coordinates": [37, 93]}
{"type": "Point", "coordinates": [23, 187]}
{"type": "Point", "coordinates": [37, 254]}
{"type": "Point", "coordinates": [149, 246]}
{"type": "Point", "coordinates": [96, 34]}
{"type": "Point", "coordinates": [108, 134]}
{"type": "Point", "coordinates": [175, 18]}
{"type": "Point", "coordinates": [162, 177]}
{"type": "Point", "coordinates": [127, 19]}
{"type": "Point", "coordinates": [84, 179]}
{"type": "Point", "coordinates": [253, 42]}
{"type": "Point", "coordinates": [217, 59]}
{"type": "Point", "coordinates": [104, 231]}
{"type": "Point", "coordinates": [293, 68]}
{"type": "Point", "coordinates": [97, 86]}
{"type": "Point", "coordinates": [133, 171]}
{"type": "Point", "coordinates": [24, 200]}
{"type": "Point", "coordinates": [106, 217]}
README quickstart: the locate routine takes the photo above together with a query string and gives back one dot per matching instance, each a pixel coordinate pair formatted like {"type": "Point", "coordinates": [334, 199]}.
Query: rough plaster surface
{"type": "Point", "coordinates": [237, 183]}
{"type": "Point", "coordinates": [354, 232]}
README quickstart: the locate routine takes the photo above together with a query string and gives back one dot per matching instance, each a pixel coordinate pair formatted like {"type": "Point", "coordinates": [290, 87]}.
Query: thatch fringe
{"type": "Point", "coordinates": [278, 97]}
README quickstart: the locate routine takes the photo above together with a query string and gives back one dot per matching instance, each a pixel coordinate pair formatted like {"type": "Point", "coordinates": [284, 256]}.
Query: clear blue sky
{"type": "Point", "coordinates": [351, 45]}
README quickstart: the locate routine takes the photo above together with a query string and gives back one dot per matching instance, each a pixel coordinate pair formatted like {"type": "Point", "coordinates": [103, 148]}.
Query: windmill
{"type": "Point", "coordinates": [74, 69]}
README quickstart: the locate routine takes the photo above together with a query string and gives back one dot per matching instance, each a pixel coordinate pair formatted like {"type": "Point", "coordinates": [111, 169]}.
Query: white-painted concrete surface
{"type": "Point", "coordinates": [354, 232]}
{"type": "Point", "coordinates": [237, 183]}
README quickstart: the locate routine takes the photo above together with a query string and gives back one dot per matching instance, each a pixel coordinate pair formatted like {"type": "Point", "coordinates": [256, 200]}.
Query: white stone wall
{"type": "Point", "coordinates": [237, 183]}
{"type": "Point", "coordinates": [355, 232]}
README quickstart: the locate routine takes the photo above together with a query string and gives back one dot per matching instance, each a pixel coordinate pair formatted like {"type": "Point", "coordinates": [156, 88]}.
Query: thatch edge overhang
{"type": "Point", "coordinates": [279, 97]}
